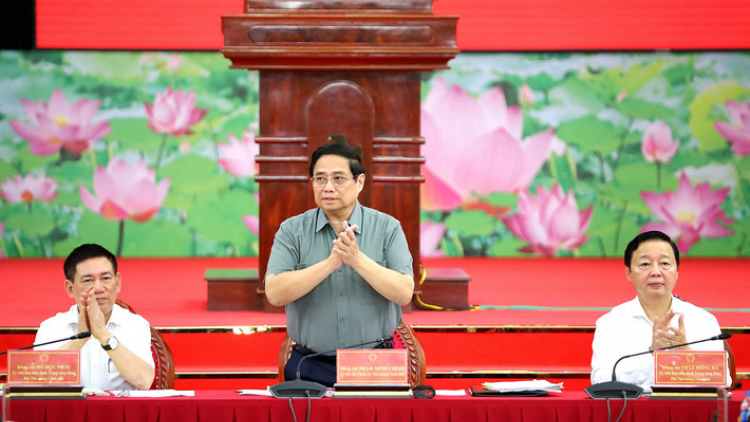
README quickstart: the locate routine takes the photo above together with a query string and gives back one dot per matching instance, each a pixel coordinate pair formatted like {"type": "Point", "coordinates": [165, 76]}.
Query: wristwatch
{"type": "Point", "coordinates": [111, 344]}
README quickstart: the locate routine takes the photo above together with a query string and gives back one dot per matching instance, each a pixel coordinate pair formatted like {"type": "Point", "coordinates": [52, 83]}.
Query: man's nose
{"type": "Point", "coordinates": [655, 270]}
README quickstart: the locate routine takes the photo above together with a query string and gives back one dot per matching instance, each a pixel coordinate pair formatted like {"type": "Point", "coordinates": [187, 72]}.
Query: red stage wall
{"type": "Point", "coordinates": [484, 24]}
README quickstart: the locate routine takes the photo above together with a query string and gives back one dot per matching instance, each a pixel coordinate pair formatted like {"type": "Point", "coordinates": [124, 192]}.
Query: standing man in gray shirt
{"type": "Point", "coordinates": [342, 270]}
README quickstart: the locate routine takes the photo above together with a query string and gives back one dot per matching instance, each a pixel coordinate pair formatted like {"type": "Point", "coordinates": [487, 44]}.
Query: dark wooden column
{"type": "Point", "coordinates": [339, 67]}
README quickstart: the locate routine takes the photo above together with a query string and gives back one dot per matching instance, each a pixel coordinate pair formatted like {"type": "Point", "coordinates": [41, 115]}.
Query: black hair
{"type": "Point", "coordinates": [342, 150]}
{"type": "Point", "coordinates": [84, 252]}
{"type": "Point", "coordinates": [645, 237]}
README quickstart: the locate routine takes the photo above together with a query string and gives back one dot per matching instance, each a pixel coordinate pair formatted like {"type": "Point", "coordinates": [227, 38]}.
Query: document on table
{"type": "Point", "coordinates": [153, 393]}
{"type": "Point", "coordinates": [255, 392]}
{"type": "Point", "coordinates": [95, 392]}
{"type": "Point", "coordinates": [518, 386]}
{"type": "Point", "coordinates": [461, 392]}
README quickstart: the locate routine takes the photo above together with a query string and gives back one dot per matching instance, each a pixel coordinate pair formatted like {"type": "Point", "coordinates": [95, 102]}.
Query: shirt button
{"type": "Point", "coordinates": [341, 269]}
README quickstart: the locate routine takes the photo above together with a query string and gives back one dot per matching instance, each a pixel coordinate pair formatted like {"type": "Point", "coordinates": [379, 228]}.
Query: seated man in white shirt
{"type": "Point", "coordinates": [654, 319]}
{"type": "Point", "coordinates": [117, 356]}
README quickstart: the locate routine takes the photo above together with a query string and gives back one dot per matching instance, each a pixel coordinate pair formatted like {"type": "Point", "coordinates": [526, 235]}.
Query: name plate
{"type": "Point", "coordinates": [52, 367]}
{"type": "Point", "coordinates": [372, 366]}
{"type": "Point", "coordinates": [690, 368]}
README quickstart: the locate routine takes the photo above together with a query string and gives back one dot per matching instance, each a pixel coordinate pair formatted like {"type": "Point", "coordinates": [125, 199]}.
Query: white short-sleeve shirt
{"type": "Point", "coordinates": [97, 369]}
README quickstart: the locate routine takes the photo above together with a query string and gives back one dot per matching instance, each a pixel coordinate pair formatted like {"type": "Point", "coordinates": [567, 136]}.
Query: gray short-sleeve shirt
{"type": "Point", "coordinates": [343, 309]}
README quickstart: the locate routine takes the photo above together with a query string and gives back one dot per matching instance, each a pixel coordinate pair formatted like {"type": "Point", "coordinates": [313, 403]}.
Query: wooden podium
{"type": "Point", "coordinates": [349, 67]}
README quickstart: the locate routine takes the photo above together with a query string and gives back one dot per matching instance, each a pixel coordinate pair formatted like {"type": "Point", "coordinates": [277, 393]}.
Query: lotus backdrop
{"type": "Point", "coordinates": [152, 154]}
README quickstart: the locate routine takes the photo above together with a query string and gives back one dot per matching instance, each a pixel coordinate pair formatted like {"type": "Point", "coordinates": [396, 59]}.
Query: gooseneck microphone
{"type": "Point", "coordinates": [85, 334]}
{"type": "Point", "coordinates": [616, 389]}
{"type": "Point", "coordinates": [299, 388]}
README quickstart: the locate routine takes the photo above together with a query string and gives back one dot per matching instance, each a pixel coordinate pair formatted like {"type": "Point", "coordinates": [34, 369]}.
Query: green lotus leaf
{"type": "Point", "coordinates": [642, 109]}
{"type": "Point", "coordinates": [193, 174]}
{"type": "Point", "coordinates": [157, 238]}
{"type": "Point", "coordinates": [37, 222]}
{"type": "Point", "coordinates": [221, 219]}
{"type": "Point", "coordinates": [728, 247]}
{"type": "Point", "coordinates": [134, 134]}
{"type": "Point", "coordinates": [591, 134]}
{"type": "Point", "coordinates": [508, 247]}
{"type": "Point", "coordinates": [470, 223]}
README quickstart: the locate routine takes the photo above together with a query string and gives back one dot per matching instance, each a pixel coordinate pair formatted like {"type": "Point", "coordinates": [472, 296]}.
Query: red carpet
{"type": "Point", "coordinates": [522, 292]}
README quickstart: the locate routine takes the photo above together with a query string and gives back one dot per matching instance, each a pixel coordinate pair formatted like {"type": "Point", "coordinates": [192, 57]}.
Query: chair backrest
{"type": "Point", "coordinates": [163, 360]}
{"type": "Point", "coordinates": [732, 364]}
{"type": "Point", "coordinates": [404, 337]}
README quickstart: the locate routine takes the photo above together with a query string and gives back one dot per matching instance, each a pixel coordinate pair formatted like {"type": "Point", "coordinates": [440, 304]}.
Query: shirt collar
{"type": "Point", "coordinates": [71, 317]}
{"type": "Point", "coordinates": [635, 308]}
{"type": "Point", "coordinates": [355, 218]}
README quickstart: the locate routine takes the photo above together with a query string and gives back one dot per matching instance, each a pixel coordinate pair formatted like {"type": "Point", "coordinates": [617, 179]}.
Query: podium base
{"type": "Point", "coordinates": [443, 289]}
{"type": "Point", "coordinates": [233, 289]}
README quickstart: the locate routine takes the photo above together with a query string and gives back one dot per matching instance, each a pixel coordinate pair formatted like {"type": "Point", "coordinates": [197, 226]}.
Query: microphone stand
{"type": "Point", "coordinates": [85, 334]}
{"type": "Point", "coordinates": [617, 389]}
{"type": "Point", "coordinates": [299, 388]}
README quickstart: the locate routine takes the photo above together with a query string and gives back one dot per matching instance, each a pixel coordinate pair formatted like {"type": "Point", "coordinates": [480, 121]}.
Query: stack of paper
{"type": "Point", "coordinates": [519, 386]}
{"type": "Point", "coordinates": [152, 393]}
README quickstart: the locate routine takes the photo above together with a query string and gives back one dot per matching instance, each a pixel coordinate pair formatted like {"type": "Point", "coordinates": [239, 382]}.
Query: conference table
{"type": "Point", "coordinates": [229, 406]}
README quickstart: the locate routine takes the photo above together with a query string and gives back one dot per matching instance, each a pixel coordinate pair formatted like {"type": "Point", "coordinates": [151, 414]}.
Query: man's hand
{"type": "Point", "coordinates": [665, 335]}
{"type": "Point", "coordinates": [95, 316]}
{"type": "Point", "coordinates": [83, 320]}
{"type": "Point", "coordinates": [345, 247]}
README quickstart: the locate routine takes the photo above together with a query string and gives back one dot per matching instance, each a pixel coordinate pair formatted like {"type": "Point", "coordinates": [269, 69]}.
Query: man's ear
{"type": "Point", "coordinates": [118, 281]}
{"type": "Point", "coordinates": [69, 288]}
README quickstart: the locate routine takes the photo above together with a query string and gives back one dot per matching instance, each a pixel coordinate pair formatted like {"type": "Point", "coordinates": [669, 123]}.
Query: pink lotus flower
{"type": "Point", "coordinates": [474, 145]}
{"type": "Point", "coordinates": [174, 62]}
{"type": "Point", "coordinates": [57, 125]}
{"type": "Point", "coordinates": [737, 131]}
{"type": "Point", "coordinates": [657, 145]}
{"type": "Point", "coordinates": [436, 193]}
{"type": "Point", "coordinates": [29, 188]}
{"type": "Point", "coordinates": [239, 156]}
{"type": "Point", "coordinates": [174, 112]}
{"type": "Point", "coordinates": [689, 213]}
{"type": "Point", "coordinates": [430, 235]}
{"type": "Point", "coordinates": [526, 96]}
{"type": "Point", "coordinates": [252, 223]}
{"type": "Point", "coordinates": [549, 221]}
{"type": "Point", "coordinates": [125, 191]}
{"type": "Point", "coordinates": [558, 146]}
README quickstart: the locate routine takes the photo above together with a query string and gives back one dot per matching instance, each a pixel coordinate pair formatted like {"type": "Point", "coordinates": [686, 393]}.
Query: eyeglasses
{"type": "Point", "coordinates": [338, 180]}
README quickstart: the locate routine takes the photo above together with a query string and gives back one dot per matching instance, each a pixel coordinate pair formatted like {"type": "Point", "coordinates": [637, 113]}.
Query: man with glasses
{"type": "Point", "coordinates": [342, 270]}
{"type": "Point", "coordinates": [117, 356]}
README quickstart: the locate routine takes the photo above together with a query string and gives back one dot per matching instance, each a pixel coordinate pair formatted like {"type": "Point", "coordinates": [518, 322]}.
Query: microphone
{"type": "Point", "coordinates": [616, 389]}
{"type": "Point", "coordinates": [85, 334]}
{"type": "Point", "coordinates": [299, 388]}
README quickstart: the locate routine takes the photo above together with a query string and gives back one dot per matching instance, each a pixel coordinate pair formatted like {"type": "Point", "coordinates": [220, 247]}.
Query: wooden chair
{"type": "Point", "coordinates": [732, 364]}
{"type": "Point", "coordinates": [163, 360]}
{"type": "Point", "coordinates": [403, 338]}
